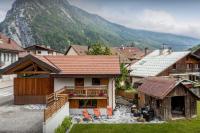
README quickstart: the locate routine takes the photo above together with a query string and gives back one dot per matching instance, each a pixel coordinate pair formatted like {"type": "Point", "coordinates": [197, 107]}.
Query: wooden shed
{"type": "Point", "coordinates": [169, 98]}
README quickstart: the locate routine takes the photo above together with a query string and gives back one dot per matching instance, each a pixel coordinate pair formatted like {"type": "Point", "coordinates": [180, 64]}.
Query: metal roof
{"type": "Point", "coordinates": [156, 62]}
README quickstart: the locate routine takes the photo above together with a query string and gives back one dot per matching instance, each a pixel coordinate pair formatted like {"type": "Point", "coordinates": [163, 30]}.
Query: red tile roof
{"type": "Point", "coordinates": [157, 87]}
{"type": "Point", "coordinates": [86, 64]}
{"type": "Point", "coordinates": [10, 46]}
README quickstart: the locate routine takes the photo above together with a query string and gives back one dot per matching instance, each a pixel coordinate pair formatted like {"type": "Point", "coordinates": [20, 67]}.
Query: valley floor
{"type": "Point", "coordinates": [181, 126]}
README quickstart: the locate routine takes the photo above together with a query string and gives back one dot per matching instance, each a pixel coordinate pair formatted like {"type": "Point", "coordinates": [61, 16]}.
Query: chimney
{"type": "Point", "coordinates": [122, 47]}
{"type": "Point", "coordinates": [170, 50]}
{"type": "Point", "coordinates": [145, 51]}
{"type": "Point", "coordinates": [9, 40]}
{"type": "Point", "coordinates": [89, 47]}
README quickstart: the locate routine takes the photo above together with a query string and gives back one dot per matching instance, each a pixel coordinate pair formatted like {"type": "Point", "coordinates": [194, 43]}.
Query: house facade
{"type": "Point", "coordinates": [89, 81]}
{"type": "Point", "coordinates": [182, 65]}
{"type": "Point", "coordinates": [41, 50]}
{"type": "Point", "coordinates": [9, 53]}
{"type": "Point", "coordinates": [169, 98]}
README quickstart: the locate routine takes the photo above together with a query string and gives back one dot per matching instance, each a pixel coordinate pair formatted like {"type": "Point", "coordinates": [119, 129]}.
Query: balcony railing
{"type": "Point", "coordinates": [86, 91]}
{"type": "Point", "coordinates": [185, 70]}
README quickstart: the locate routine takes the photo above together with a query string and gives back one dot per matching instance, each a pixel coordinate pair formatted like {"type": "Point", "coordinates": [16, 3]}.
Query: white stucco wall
{"type": "Point", "coordinates": [72, 52]}
{"type": "Point", "coordinates": [53, 122]}
{"type": "Point", "coordinates": [7, 59]}
{"type": "Point", "coordinates": [59, 83]}
{"type": "Point", "coordinates": [111, 93]}
{"type": "Point", "coordinates": [87, 81]}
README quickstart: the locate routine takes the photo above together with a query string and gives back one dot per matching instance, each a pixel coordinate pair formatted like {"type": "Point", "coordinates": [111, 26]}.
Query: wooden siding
{"type": "Point", "coordinates": [164, 110]}
{"type": "Point", "coordinates": [101, 103]}
{"type": "Point", "coordinates": [32, 90]}
{"type": "Point", "coordinates": [181, 66]}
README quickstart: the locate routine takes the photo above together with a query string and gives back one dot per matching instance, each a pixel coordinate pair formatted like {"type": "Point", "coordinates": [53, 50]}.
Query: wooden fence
{"type": "Point", "coordinates": [54, 102]}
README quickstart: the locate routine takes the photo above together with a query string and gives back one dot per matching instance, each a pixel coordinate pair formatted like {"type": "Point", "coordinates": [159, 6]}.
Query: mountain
{"type": "Point", "coordinates": [58, 23]}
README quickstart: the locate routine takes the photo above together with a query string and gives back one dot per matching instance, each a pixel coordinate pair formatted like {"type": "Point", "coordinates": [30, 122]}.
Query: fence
{"type": "Point", "coordinates": [54, 103]}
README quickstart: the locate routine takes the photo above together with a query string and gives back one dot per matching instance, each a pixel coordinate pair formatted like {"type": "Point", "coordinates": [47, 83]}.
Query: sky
{"type": "Point", "coordinates": [170, 16]}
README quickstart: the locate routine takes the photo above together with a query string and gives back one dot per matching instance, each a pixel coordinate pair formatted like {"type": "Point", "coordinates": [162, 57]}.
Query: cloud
{"type": "Point", "coordinates": [161, 21]}
{"type": "Point", "coordinates": [2, 15]}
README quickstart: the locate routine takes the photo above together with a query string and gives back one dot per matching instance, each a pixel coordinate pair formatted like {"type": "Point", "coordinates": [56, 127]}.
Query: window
{"type": "Point", "coordinates": [87, 103]}
{"type": "Point", "coordinates": [196, 66]}
{"type": "Point", "coordinates": [174, 67]}
{"type": "Point", "coordinates": [79, 82]}
{"type": "Point", "coordinates": [189, 66]}
{"type": "Point", "coordinates": [39, 52]}
{"type": "Point", "coordinates": [96, 81]}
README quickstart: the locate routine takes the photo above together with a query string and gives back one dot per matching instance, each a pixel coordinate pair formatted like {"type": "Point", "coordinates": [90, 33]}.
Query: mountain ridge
{"type": "Point", "coordinates": [58, 23]}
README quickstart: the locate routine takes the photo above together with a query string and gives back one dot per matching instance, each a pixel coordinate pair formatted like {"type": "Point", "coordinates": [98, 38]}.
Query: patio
{"type": "Point", "coordinates": [121, 114]}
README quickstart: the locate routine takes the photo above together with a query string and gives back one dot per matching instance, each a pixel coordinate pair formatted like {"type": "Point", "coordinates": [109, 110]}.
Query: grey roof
{"type": "Point", "coordinates": [156, 62]}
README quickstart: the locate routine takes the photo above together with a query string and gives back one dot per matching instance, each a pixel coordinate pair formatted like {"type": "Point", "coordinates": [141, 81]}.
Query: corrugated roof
{"type": "Point", "coordinates": [11, 45]}
{"type": "Point", "coordinates": [86, 64]}
{"type": "Point", "coordinates": [157, 87]}
{"type": "Point", "coordinates": [155, 63]}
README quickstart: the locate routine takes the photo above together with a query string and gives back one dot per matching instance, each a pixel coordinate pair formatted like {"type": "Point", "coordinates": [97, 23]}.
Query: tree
{"type": "Point", "coordinates": [122, 82]}
{"type": "Point", "coordinates": [99, 49]}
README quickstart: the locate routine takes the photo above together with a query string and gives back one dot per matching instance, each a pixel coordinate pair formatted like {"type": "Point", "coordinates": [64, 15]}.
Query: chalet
{"type": "Point", "coordinates": [169, 98]}
{"type": "Point", "coordinates": [9, 53]}
{"type": "Point", "coordinates": [196, 52]}
{"type": "Point", "coordinates": [128, 55]}
{"type": "Point", "coordinates": [88, 80]}
{"type": "Point", "coordinates": [165, 62]}
{"type": "Point", "coordinates": [41, 50]}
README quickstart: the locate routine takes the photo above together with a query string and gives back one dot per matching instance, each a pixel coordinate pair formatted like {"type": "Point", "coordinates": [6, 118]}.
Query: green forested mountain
{"type": "Point", "coordinates": [56, 23]}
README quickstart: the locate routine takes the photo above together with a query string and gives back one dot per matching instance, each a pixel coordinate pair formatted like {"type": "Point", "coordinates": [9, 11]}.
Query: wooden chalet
{"type": "Point", "coordinates": [89, 81]}
{"type": "Point", "coordinates": [168, 98]}
{"type": "Point", "coordinates": [181, 65]}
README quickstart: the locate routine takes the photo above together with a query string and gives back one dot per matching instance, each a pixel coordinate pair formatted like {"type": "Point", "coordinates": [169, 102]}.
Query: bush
{"type": "Point", "coordinates": [64, 126]}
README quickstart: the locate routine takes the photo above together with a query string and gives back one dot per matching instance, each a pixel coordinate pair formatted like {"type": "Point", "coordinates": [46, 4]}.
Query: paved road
{"type": "Point", "coordinates": [16, 118]}
{"type": "Point", "coordinates": [8, 91]}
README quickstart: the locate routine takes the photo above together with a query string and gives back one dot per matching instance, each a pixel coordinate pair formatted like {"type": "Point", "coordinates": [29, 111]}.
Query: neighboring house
{"type": "Point", "coordinates": [41, 50]}
{"type": "Point", "coordinates": [196, 52]}
{"type": "Point", "coordinates": [167, 63]}
{"type": "Point", "coordinates": [128, 55]}
{"type": "Point", "coordinates": [89, 80]}
{"type": "Point", "coordinates": [169, 98]}
{"type": "Point", "coordinates": [9, 53]}
{"type": "Point", "coordinates": [77, 50]}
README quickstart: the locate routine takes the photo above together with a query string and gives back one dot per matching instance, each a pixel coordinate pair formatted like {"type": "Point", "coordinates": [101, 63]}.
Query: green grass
{"type": "Point", "coordinates": [181, 126]}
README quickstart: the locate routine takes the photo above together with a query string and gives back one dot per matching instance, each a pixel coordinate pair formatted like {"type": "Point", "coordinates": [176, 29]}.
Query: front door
{"type": "Point", "coordinates": [79, 83]}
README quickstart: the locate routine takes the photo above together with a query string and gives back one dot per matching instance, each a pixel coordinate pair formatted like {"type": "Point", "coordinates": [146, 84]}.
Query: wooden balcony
{"type": "Point", "coordinates": [86, 91]}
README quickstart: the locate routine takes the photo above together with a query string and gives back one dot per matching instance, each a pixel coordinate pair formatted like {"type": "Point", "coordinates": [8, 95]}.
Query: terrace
{"type": "Point", "coordinates": [97, 91]}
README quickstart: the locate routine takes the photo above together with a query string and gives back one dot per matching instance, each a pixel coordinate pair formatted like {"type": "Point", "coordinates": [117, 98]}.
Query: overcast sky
{"type": "Point", "coordinates": [172, 16]}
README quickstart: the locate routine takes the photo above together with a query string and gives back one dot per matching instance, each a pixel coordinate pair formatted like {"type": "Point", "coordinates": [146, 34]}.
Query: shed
{"type": "Point", "coordinates": [169, 98]}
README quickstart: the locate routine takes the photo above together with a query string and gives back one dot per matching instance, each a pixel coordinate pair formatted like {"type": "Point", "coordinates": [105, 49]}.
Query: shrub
{"type": "Point", "coordinates": [64, 126]}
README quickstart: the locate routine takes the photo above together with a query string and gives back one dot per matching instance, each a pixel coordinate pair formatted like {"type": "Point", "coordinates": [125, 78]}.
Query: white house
{"type": "Point", "coordinates": [9, 53]}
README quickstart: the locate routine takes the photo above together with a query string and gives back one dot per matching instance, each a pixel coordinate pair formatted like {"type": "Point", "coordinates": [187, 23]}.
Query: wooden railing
{"type": "Point", "coordinates": [54, 102]}
{"type": "Point", "coordinates": [86, 91]}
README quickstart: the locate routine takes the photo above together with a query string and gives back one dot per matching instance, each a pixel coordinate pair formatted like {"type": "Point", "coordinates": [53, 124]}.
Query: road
{"type": "Point", "coordinates": [8, 91]}
{"type": "Point", "coordinates": [6, 95]}
{"type": "Point", "coordinates": [17, 118]}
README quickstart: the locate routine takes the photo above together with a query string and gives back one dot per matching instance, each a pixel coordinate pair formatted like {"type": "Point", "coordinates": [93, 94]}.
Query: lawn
{"type": "Point", "coordinates": [182, 126]}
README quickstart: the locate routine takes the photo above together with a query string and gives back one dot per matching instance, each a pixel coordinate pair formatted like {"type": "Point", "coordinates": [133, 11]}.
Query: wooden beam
{"type": "Point", "coordinates": [32, 72]}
